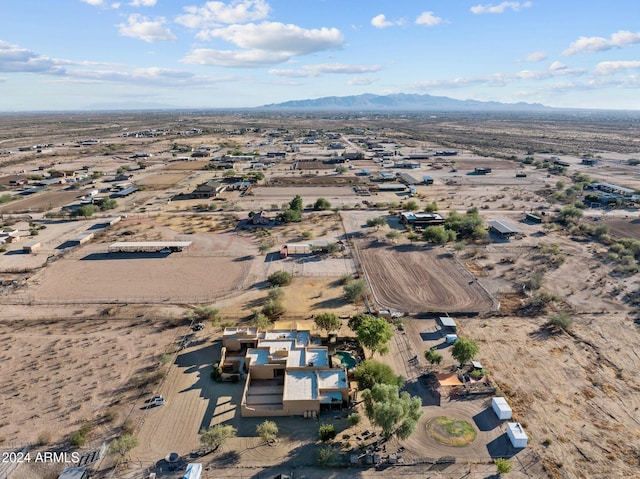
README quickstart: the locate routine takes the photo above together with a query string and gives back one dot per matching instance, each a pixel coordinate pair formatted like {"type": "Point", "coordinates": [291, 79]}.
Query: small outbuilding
{"type": "Point", "coordinates": [448, 324]}
{"type": "Point", "coordinates": [501, 408]}
{"type": "Point", "coordinates": [516, 435]}
{"type": "Point", "coordinates": [450, 338]}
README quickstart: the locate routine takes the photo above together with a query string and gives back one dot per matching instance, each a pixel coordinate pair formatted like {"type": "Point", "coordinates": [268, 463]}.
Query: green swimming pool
{"type": "Point", "coordinates": [345, 359]}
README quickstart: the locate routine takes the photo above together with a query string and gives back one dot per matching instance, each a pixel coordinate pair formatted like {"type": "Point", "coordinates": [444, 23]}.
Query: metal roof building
{"type": "Point", "coordinates": [147, 246]}
{"type": "Point", "coordinates": [408, 179]}
{"type": "Point", "coordinates": [503, 228]}
{"type": "Point", "coordinates": [125, 192]}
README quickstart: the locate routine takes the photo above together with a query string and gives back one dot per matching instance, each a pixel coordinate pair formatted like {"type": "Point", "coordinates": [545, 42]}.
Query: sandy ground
{"type": "Point", "coordinates": [57, 377]}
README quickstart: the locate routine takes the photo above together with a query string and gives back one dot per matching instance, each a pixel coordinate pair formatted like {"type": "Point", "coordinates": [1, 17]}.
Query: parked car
{"type": "Point", "coordinates": [158, 401]}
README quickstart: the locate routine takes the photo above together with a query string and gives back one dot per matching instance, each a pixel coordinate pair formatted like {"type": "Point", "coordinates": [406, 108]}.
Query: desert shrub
{"type": "Point", "coordinates": [44, 438]}
{"type": "Point", "coordinates": [267, 430]}
{"type": "Point", "coordinates": [560, 321]}
{"type": "Point", "coordinates": [279, 278]}
{"type": "Point", "coordinates": [354, 419]}
{"type": "Point", "coordinates": [273, 309]}
{"type": "Point", "coordinates": [503, 465]}
{"type": "Point", "coordinates": [276, 293]}
{"type": "Point", "coordinates": [354, 290]}
{"type": "Point", "coordinates": [325, 455]}
{"type": "Point", "coordinates": [326, 432]}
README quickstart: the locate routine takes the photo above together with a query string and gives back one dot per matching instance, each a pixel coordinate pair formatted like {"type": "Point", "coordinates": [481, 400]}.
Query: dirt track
{"type": "Point", "coordinates": [406, 278]}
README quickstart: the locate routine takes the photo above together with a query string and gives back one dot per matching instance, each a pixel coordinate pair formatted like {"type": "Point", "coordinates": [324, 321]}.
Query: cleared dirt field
{"type": "Point", "coordinates": [407, 278]}
{"type": "Point", "coordinates": [58, 375]}
{"type": "Point", "coordinates": [187, 165]}
{"type": "Point", "coordinates": [39, 202]}
{"type": "Point", "coordinates": [161, 181]}
{"type": "Point", "coordinates": [624, 228]}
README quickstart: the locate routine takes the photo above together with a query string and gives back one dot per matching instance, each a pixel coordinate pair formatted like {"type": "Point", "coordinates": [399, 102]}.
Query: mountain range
{"type": "Point", "coordinates": [401, 102]}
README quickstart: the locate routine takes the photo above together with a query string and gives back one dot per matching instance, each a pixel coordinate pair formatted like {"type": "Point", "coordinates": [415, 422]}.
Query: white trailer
{"type": "Point", "coordinates": [501, 408]}
{"type": "Point", "coordinates": [516, 434]}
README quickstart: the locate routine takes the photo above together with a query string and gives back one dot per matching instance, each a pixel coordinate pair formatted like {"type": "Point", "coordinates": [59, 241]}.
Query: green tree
{"type": "Point", "coordinates": [356, 320]}
{"type": "Point", "coordinates": [215, 436]}
{"type": "Point", "coordinates": [123, 445]}
{"type": "Point", "coordinates": [274, 309]}
{"type": "Point", "coordinates": [393, 235]}
{"type": "Point", "coordinates": [370, 372]}
{"type": "Point", "coordinates": [260, 320]}
{"type": "Point", "coordinates": [569, 215]}
{"type": "Point", "coordinates": [396, 413]}
{"type": "Point", "coordinates": [377, 222]}
{"type": "Point", "coordinates": [326, 432]}
{"type": "Point", "coordinates": [464, 350]}
{"type": "Point", "coordinates": [268, 431]}
{"type": "Point", "coordinates": [85, 211]}
{"type": "Point", "coordinates": [279, 278]}
{"type": "Point", "coordinates": [375, 334]}
{"type": "Point", "coordinates": [328, 321]}
{"type": "Point", "coordinates": [206, 313]}
{"type": "Point", "coordinates": [321, 204]}
{"type": "Point", "coordinates": [107, 204]}
{"type": "Point", "coordinates": [291, 216]}
{"type": "Point", "coordinates": [433, 356]}
{"type": "Point", "coordinates": [296, 203]}
{"type": "Point", "coordinates": [438, 234]}
{"type": "Point", "coordinates": [341, 169]}
{"type": "Point", "coordinates": [411, 206]}
{"type": "Point", "coordinates": [431, 207]}
{"type": "Point", "coordinates": [354, 290]}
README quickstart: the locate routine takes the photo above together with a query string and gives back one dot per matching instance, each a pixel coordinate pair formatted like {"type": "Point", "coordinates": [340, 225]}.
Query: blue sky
{"type": "Point", "coordinates": [79, 54]}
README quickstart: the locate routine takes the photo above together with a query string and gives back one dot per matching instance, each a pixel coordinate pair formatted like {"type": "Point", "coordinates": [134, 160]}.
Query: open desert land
{"type": "Point", "coordinates": [91, 336]}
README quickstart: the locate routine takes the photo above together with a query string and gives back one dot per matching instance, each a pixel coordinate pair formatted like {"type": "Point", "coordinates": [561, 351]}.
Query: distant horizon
{"type": "Point", "coordinates": [71, 55]}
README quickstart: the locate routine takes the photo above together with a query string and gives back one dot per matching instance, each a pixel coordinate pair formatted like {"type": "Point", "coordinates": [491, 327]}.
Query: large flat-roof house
{"type": "Point", "coordinates": [421, 219]}
{"type": "Point", "coordinates": [287, 373]}
{"type": "Point", "coordinates": [210, 189]}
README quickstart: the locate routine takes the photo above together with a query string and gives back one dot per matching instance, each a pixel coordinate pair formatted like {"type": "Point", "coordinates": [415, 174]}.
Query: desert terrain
{"type": "Point", "coordinates": [91, 335]}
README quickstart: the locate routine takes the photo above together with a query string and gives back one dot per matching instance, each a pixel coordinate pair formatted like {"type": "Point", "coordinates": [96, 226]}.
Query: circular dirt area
{"type": "Point", "coordinates": [451, 432]}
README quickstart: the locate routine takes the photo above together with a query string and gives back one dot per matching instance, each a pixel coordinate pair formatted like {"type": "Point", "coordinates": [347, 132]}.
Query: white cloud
{"type": "Point", "coordinates": [428, 19]}
{"type": "Point", "coordinates": [288, 40]}
{"type": "Point", "coordinates": [500, 8]}
{"type": "Point", "coordinates": [606, 68]}
{"type": "Point", "coordinates": [235, 59]}
{"type": "Point", "coordinates": [619, 39]}
{"type": "Point", "coordinates": [555, 66]}
{"type": "Point", "coordinates": [380, 21]}
{"type": "Point", "coordinates": [310, 71]}
{"type": "Point", "coordinates": [16, 59]}
{"type": "Point", "coordinates": [534, 57]}
{"type": "Point", "coordinates": [361, 81]}
{"type": "Point", "coordinates": [143, 3]}
{"type": "Point", "coordinates": [215, 14]}
{"type": "Point", "coordinates": [100, 3]}
{"type": "Point", "coordinates": [142, 28]}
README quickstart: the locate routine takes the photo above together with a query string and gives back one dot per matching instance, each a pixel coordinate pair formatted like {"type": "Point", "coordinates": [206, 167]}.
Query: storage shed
{"type": "Point", "coordinates": [501, 408]}
{"type": "Point", "coordinates": [517, 435]}
{"type": "Point", "coordinates": [448, 324]}
{"type": "Point", "coordinates": [450, 338]}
